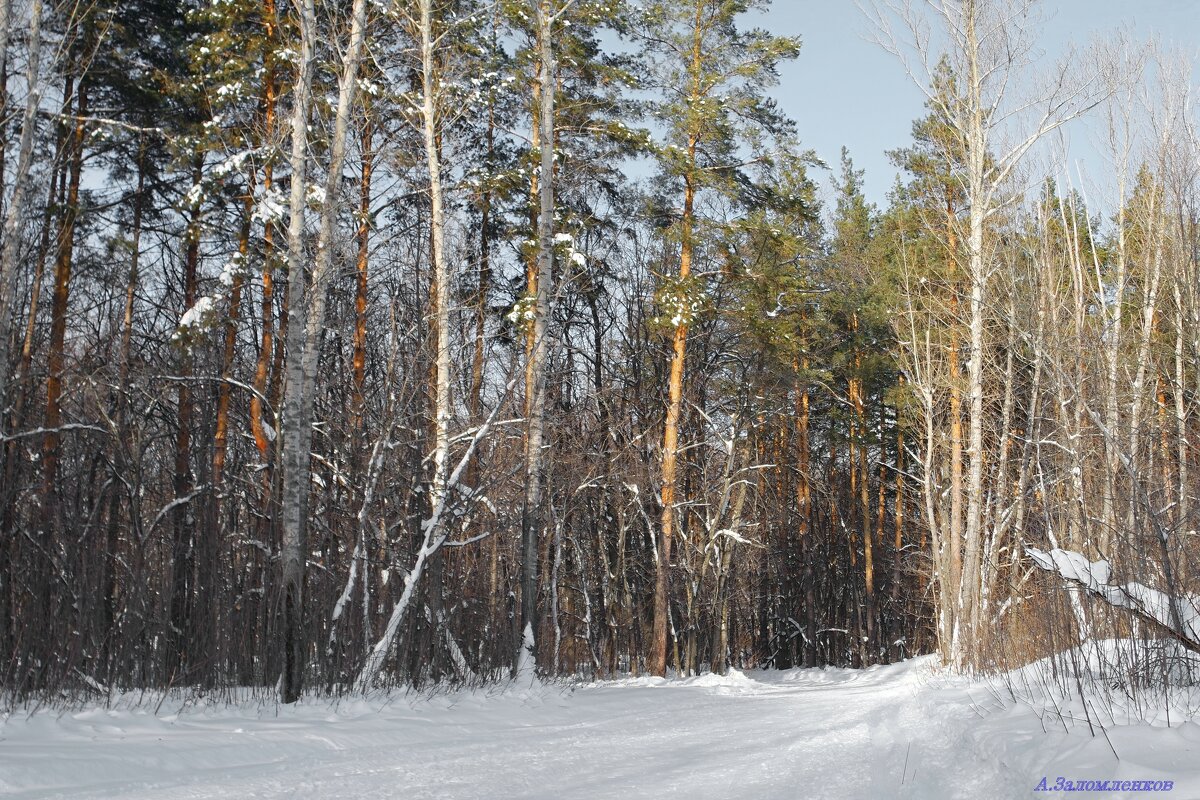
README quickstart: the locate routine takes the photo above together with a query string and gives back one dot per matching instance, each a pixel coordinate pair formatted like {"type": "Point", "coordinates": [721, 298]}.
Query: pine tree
{"type": "Point", "coordinates": [717, 122]}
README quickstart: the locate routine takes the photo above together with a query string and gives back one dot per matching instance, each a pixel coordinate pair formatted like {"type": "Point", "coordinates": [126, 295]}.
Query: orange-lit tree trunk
{"type": "Point", "coordinates": [221, 434]}
{"type": "Point", "coordinates": [804, 512]}
{"type": "Point", "coordinates": [361, 264]}
{"type": "Point", "coordinates": [681, 309]}
{"type": "Point", "coordinates": [262, 369]}
{"type": "Point", "coordinates": [208, 548]}
{"type": "Point", "coordinates": [58, 308]}
{"type": "Point", "coordinates": [43, 581]}
{"type": "Point", "coordinates": [263, 399]}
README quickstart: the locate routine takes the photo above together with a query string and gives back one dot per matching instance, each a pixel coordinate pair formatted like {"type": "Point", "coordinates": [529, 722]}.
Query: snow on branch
{"type": "Point", "coordinates": [73, 426]}
{"type": "Point", "coordinates": [1179, 617]}
{"type": "Point", "coordinates": [434, 537]}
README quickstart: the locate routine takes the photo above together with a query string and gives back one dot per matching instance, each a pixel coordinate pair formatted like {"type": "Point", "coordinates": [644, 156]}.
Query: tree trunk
{"type": "Point", "coordinates": [121, 447]}
{"type": "Point", "coordinates": [294, 438]}
{"type": "Point", "coordinates": [359, 359]}
{"type": "Point", "coordinates": [305, 323]}
{"type": "Point", "coordinates": [267, 344]}
{"type": "Point", "coordinates": [185, 654]}
{"type": "Point", "coordinates": [531, 512]}
{"type": "Point", "coordinates": [208, 549]}
{"type": "Point", "coordinates": [16, 205]}
{"type": "Point", "coordinates": [44, 581]}
{"type": "Point", "coordinates": [965, 643]}
{"type": "Point", "coordinates": [657, 659]}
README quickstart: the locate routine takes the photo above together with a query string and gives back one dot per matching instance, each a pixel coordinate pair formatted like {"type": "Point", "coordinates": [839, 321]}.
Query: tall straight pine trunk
{"type": "Point", "coordinates": [657, 659]}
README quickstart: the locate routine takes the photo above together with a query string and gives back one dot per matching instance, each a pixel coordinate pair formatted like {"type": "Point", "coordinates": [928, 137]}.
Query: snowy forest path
{"type": "Point", "coordinates": [881, 732]}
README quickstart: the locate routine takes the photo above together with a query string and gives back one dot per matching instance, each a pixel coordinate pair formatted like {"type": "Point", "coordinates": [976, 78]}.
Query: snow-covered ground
{"type": "Point", "coordinates": [901, 731]}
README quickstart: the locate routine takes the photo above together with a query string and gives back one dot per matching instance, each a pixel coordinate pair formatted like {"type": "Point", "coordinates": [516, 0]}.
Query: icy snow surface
{"type": "Point", "coordinates": [901, 731]}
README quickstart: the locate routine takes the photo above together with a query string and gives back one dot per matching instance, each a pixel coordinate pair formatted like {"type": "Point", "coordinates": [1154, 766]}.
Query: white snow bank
{"type": "Point", "coordinates": [901, 731]}
{"type": "Point", "coordinates": [733, 679]}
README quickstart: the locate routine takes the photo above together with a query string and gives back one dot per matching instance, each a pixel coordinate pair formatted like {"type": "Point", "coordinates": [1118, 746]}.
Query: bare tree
{"type": "Point", "coordinates": [544, 16]}
{"type": "Point", "coordinates": [305, 324]}
{"type": "Point", "coordinates": [15, 210]}
{"type": "Point", "coordinates": [990, 48]}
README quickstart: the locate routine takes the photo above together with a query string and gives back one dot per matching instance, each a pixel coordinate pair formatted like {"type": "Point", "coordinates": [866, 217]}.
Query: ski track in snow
{"type": "Point", "coordinates": [792, 734]}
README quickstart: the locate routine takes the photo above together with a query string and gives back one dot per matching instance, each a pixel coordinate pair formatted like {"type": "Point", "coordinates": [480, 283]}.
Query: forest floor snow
{"type": "Point", "coordinates": [900, 731]}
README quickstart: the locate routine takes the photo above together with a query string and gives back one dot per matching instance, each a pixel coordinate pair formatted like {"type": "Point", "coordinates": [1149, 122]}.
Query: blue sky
{"type": "Point", "coordinates": [843, 89]}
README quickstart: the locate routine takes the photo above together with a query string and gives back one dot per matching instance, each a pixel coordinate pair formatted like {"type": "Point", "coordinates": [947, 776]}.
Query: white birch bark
{"type": "Point", "coordinates": [434, 535]}
{"type": "Point", "coordinates": [1146, 334]}
{"type": "Point", "coordinates": [988, 42]}
{"type": "Point", "coordinates": [16, 202]}
{"type": "Point", "coordinates": [1181, 420]}
{"type": "Point", "coordinates": [293, 454]}
{"type": "Point", "coordinates": [441, 274]}
{"type": "Point", "coordinates": [306, 307]}
{"type": "Point", "coordinates": [974, 131]}
{"type": "Point", "coordinates": [440, 324]}
{"type": "Point", "coordinates": [1114, 333]}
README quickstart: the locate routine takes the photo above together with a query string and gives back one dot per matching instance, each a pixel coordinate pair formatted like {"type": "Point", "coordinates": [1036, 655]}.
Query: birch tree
{"type": "Point", "coordinates": [15, 207]}
{"type": "Point", "coordinates": [305, 323]}
{"type": "Point", "coordinates": [545, 15]}
{"type": "Point", "coordinates": [989, 46]}
{"type": "Point", "coordinates": [432, 114]}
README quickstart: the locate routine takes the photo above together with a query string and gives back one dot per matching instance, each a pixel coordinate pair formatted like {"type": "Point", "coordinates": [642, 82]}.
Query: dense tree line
{"type": "Point", "coordinates": [354, 344]}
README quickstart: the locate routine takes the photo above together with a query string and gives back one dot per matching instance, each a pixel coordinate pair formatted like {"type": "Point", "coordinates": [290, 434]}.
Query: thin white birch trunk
{"type": "Point", "coordinates": [1114, 333]}
{"type": "Point", "coordinates": [1181, 428]}
{"type": "Point", "coordinates": [16, 203]}
{"type": "Point", "coordinates": [978, 196]}
{"type": "Point", "coordinates": [441, 274]}
{"type": "Point", "coordinates": [306, 307]}
{"type": "Point", "coordinates": [1146, 334]}
{"type": "Point", "coordinates": [433, 537]}
{"type": "Point", "coordinates": [294, 455]}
